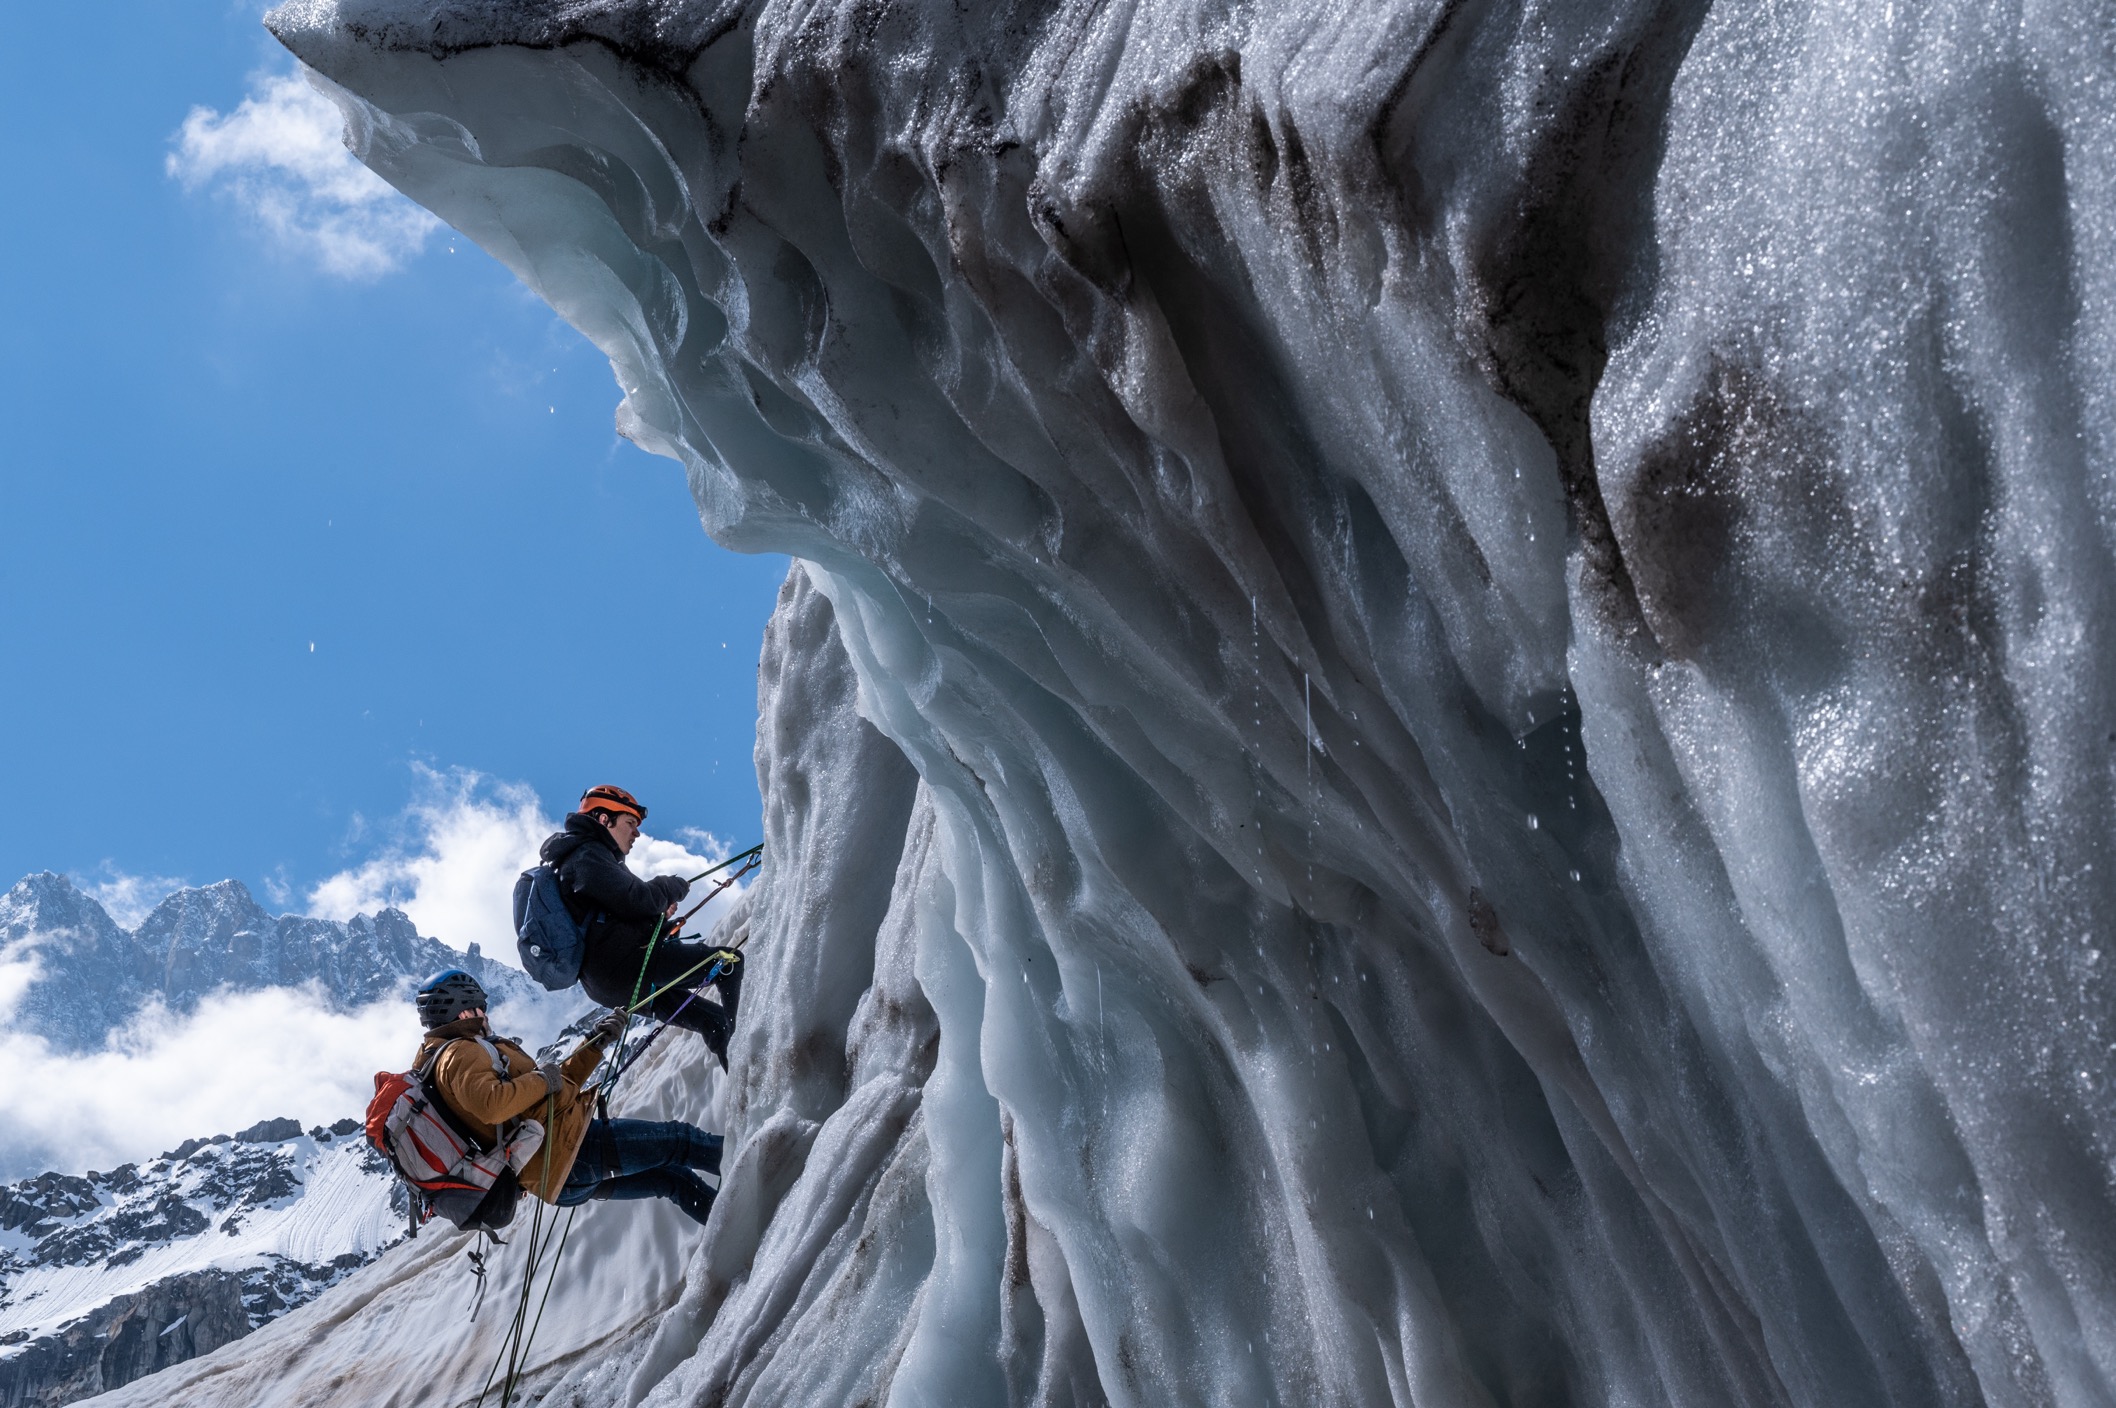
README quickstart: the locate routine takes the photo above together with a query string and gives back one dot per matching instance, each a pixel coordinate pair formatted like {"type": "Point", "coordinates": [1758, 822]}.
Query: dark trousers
{"type": "Point", "coordinates": [609, 976]}
{"type": "Point", "coordinates": [644, 1159]}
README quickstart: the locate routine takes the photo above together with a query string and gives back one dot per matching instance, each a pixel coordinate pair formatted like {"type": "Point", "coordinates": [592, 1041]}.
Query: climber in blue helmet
{"type": "Point", "coordinates": [489, 1083]}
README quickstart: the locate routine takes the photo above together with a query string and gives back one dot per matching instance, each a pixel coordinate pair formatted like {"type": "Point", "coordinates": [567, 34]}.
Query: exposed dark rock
{"type": "Point", "coordinates": [274, 1183]}
{"type": "Point", "coordinates": [170, 1217]}
{"type": "Point", "coordinates": [270, 1132]}
{"type": "Point", "coordinates": [48, 1196]}
{"type": "Point", "coordinates": [191, 1146]}
{"type": "Point", "coordinates": [129, 1338]}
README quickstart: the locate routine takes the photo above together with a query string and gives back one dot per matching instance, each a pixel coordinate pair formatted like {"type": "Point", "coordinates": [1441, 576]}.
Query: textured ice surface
{"type": "Point", "coordinates": [1500, 616]}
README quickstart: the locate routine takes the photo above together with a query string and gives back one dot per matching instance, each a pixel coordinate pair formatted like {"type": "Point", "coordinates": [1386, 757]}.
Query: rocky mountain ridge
{"type": "Point", "coordinates": [91, 974]}
{"type": "Point", "coordinates": [108, 1277]}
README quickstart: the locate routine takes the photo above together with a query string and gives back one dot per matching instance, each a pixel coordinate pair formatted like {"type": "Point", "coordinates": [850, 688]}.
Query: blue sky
{"type": "Point", "coordinates": [219, 453]}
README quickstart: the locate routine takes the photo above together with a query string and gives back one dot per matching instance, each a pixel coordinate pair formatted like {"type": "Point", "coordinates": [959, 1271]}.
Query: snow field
{"type": "Point", "coordinates": [337, 1206]}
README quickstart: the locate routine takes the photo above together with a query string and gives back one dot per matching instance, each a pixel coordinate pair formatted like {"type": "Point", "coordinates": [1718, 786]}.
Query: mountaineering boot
{"type": "Point", "coordinates": [679, 1185]}
{"type": "Point", "coordinates": [719, 1025]}
{"type": "Point", "coordinates": [695, 1196]}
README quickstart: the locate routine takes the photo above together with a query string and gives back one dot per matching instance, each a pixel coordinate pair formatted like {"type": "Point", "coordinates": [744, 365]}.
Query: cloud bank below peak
{"type": "Point", "coordinates": [167, 1076]}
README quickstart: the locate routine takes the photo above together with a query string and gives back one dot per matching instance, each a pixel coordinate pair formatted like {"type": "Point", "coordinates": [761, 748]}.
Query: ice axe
{"type": "Point", "coordinates": [750, 860]}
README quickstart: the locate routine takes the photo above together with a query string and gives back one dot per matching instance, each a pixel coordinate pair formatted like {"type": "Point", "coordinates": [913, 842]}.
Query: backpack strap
{"type": "Point", "coordinates": [424, 1071]}
{"type": "Point", "coordinates": [506, 1128]}
{"type": "Point", "coordinates": [569, 895]}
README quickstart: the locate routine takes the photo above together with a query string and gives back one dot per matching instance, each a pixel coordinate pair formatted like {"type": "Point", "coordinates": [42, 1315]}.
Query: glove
{"type": "Point", "coordinates": [554, 1079]}
{"type": "Point", "coordinates": [669, 889]}
{"type": "Point", "coordinates": [607, 1029]}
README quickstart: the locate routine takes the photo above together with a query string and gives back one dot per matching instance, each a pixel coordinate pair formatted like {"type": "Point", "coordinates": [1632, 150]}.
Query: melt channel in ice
{"type": "Point", "coordinates": [1486, 628]}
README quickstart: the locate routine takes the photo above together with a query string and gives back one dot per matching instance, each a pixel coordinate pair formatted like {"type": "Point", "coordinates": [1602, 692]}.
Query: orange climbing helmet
{"type": "Point", "coordinates": [612, 799]}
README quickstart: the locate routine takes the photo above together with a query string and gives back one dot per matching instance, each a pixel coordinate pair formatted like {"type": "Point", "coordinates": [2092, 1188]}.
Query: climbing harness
{"type": "Point", "coordinates": [625, 1063]}
{"type": "Point", "coordinates": [625, 1058]}
{"type": "Point", "coordinates": [602, 1092]}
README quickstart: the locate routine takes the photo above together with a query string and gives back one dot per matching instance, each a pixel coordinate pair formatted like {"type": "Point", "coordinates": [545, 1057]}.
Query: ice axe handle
{"type": "Point", "coordinates": [684, 918]}
{"type": "Point", "coordinates": [751, 855]}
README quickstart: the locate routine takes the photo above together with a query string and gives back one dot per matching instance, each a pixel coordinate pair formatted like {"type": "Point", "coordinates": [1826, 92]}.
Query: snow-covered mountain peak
{"type": "Point", "coordinates": [196, 915]}
{"type": "Point", "coordinates": [49, 904]}
{"type": "Point", "coordinates": [88, 975]}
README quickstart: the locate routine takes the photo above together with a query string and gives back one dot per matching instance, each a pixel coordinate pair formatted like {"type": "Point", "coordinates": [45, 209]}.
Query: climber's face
{"type": "Point", "coordinates": [624, 830]}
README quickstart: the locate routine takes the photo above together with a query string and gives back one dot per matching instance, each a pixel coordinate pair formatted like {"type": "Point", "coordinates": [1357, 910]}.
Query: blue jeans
{"type": "Point", "coordinates": [644, 1159]}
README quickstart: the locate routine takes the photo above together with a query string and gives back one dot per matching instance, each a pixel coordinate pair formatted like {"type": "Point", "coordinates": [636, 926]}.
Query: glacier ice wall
{"type": "Point", "coordinates": [1490, 621]}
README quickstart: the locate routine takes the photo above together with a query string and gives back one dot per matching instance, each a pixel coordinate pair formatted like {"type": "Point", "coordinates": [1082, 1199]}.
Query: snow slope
{"type": "Point", "coordinates": [1500, 615]}
{"type": "Point", "coordinates": [108, 1277]}
{"type": "Point", "coordinates": [307, 1200]}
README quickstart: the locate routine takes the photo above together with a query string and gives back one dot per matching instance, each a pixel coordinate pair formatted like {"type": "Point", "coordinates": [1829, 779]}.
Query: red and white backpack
{"type": "Point", "coordinates": [450, 1171]}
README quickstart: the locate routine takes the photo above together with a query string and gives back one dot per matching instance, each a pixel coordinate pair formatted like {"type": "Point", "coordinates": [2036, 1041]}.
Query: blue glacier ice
{"type": "Point", "coordinates": [1444, 733]}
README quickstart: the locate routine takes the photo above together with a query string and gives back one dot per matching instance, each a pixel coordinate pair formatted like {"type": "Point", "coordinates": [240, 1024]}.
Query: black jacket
{"type": "Point", "coordinates": [617, 907]}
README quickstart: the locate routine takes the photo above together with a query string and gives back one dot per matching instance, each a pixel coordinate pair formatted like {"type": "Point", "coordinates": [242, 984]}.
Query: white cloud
{"type": "Point", "coordinates": [128, 898]}
{"type": "Point", "coordinates": [281, 156]}
{"type": "Point", "coordinates": [239, 1058]}
{"type": "Point", "coordinates": [449, 861]}
{"type": "Point", "coordinates": [18, 971]}
{"type": "Point", "coordinates": [461, 844]}
{"type": "Point", "coordinates": [652, 855]}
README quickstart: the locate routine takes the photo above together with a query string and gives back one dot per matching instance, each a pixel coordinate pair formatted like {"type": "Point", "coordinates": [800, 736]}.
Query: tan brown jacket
{"type": "Point", "coordinates": [484, 1099]}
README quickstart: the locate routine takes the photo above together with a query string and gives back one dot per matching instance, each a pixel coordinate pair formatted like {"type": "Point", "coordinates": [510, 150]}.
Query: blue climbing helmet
{"type": "Point", "coordinates": [446, 995]}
